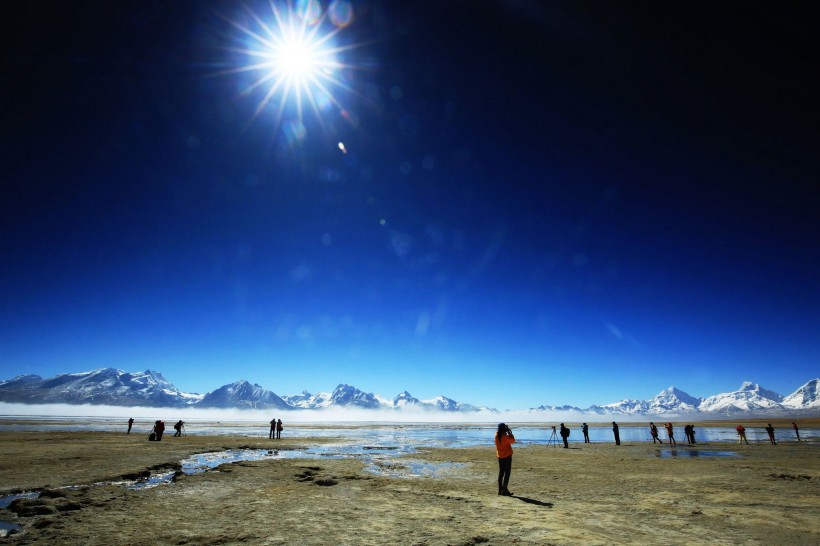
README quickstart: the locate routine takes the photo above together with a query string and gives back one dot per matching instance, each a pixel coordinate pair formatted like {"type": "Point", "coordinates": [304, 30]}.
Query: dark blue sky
{"type": "Point", "coordinates": [541, 202]}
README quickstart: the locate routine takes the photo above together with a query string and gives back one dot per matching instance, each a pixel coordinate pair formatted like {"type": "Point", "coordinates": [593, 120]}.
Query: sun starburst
{"type": "Point", "coordinates": [294, 57]}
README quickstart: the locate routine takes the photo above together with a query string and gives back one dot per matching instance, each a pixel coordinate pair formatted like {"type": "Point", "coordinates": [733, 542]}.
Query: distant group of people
{"type": "Point", "coordinates": [158, 430]}
{"type": "Point", "coordinates": [179, 427]}
{"type": "Point", "coordinates": [688, 431]}
{"type": "Point", "coordinates": [275, 429]}
{"type": "Point", "coordinates": [504, 439]}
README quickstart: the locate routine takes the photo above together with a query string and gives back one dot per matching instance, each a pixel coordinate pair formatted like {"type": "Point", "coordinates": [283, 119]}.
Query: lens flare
{"type": "Point", "coordinates": [294, 57]}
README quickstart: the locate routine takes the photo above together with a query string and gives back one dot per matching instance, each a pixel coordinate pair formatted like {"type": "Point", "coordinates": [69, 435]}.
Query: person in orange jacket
{"type": "Point", "coordinates": [741, 432]}
{"type": "Point", "coordinates": [504, 440]}
{"type": "Point", "coordinates": [670, 431]}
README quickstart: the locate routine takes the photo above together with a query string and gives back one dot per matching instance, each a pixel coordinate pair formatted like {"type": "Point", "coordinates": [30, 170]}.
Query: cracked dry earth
{"type": "Point", "coordinates": [593, 494]}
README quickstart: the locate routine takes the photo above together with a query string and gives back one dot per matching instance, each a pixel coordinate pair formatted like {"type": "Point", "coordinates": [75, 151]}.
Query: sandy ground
{"type": "Point", "coordinates": [588, 494]}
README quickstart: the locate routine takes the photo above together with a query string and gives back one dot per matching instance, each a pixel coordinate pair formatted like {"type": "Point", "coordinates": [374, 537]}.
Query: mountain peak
{"type": "Point", "coordinates": [806, 396]}
{"type": "Point", "coordinates": [115, 387]}
{"type": "Point", "coordinates": [242, 394]}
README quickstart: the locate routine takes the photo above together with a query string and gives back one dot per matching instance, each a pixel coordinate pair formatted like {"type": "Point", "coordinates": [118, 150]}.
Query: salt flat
{"type": "Point", "coordinates": [588, 494]}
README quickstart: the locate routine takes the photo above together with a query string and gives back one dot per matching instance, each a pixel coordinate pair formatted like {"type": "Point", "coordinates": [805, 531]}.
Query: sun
{"type": "Point", "coordinates": [294, 57]}
{"type": "Point", "coordinates": [298, 60]}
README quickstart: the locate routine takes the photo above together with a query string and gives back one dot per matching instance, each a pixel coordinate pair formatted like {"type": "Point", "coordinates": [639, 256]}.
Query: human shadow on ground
{"type": "Point", "coordinates": [532, 501]}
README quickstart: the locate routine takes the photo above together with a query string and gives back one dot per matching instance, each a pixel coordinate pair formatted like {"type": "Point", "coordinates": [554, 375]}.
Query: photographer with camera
{"type": "Point", "coordinates": [504, 440]}
{"type": "Point", "coordinates": [564, 435]}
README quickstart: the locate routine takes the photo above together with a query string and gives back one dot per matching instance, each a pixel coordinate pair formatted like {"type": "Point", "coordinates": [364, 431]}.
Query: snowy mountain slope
{"type": "Point", "coordinates": [20, 382]}
{"type": "Point", "coordinates": [623, 407]}
{"type": "Point", "coordinates": [805, 397]}
{"type": "Point", "coordinates": [349, 396]}
{"type": "Point", "coordinates": [672, 400]}
{"type": "Point", "coordinates": [405, 399]}
{"type": "Point", "coordinates": [305, 400]}
{"type": "Point", "coordinates": [242, 394]}
{"type": "Point", "coordinates": [565, 407]}
{"type": "Point", "coordinates": [750, 396]}
{"type": "Point", "coordinates": [104, 386]}
{"type": "Point", "coordinates": [149, 388]}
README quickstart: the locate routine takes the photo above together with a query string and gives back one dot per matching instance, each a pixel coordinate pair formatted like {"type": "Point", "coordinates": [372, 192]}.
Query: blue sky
{"type": "Point", "coordinates": [560, 204]}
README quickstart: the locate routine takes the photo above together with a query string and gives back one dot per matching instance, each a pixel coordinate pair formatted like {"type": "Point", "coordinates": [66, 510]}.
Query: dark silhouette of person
{"type": "Point", "coordinates": [565, 435]}
{"type": "Point", "coordinates": [796, 430]}
{"type": "Point", "coordinates": [159, 428]}
{"type": "Point", "coordinates": [616, 433]}
{"type": "Point", "coordinates": [770, 432]}
{"type": "Point", "coordinates": [279, 428]}
{"type": "Point", "coordinates": [741, 432]}
{"type": "Point", "coordinates": [653, 430]}
{"type": "Point", "coordinates": [585, 430]}
{"type": "Point", "coordinates": [130, 424]}
{"type": "Point", "coordinates": [688, 432]}
{"type": "Point", "coordinates": [178, 428]}
{"type": "Point", "coordinates": [504, 440]}
{"type": "Point", "coordinates": [272, 433]}
{"type": "Point", "coordinates": [670, 431]}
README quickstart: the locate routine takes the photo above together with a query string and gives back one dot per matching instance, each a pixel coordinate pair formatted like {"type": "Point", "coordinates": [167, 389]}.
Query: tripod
{"type": "Point", "coordinates": [553, 438]}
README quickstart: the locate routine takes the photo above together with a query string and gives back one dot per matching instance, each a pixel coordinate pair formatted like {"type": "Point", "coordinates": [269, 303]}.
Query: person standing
{"type": "Point", "coordinates": [159, 428]}
{"type": "Point", "coordinates": [130, 424]}
{"type": "Point", "coordinates": [692, 433]}
{"type": "Point", "coordinates": [770, 432]}
{"type": "Point", "coordinates": [279, 428]}
{"type": "Point", "coordinates": [565, 435]}
{"type": "Point", "coordinates": [670, 431]}
{"type": "Point", "coordinates": [178, 428]}
{"type": "Point", "coordinates": [585, 430]}
{"type": "Point", "coordinates": [617, 433]}
{"type": "Point", "coordinates": [741, 432]}
{"type": "Point", "coordinates": [796, 430]}
{"type": "Point", "coordinates": [504, 440]}
{"type": "Point", "coordinates": [653, 430]}
{"type": "Point", "coordinates": [272, 433]}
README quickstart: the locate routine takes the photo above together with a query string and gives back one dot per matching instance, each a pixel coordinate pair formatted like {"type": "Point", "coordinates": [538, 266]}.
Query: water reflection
{"type": "Point", "coordinates": [7, 499]}
{"type": "Point", "coordinates": [7, 527]}
{"type": "Point", "coordinates": [381, 435]}
{"type": "Point", "coordinates": [691, 453]}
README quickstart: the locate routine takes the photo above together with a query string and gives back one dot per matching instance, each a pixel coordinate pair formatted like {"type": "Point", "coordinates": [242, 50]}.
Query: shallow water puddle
{"type": "Point", "coordinates": [206, 461]}
{"type": "Point", "coordinates": [410, 468]}
{"type": "Point", "coordinates": [6, 500]}
{"type": "Point", "coordinates": [692, 453]}
{"type": "Point", "coordinates": [7, 527]}
{"type": "Point", "coordinates": [153, 480]}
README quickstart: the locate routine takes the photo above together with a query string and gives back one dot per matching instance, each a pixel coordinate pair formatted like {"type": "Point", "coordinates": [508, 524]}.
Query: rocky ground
{"type": "Point", "coordinates": [588, 494]}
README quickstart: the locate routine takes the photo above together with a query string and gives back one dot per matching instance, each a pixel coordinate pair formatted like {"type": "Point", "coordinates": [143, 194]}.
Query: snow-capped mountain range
{"type": "Point", "coordinates": [110, 386]}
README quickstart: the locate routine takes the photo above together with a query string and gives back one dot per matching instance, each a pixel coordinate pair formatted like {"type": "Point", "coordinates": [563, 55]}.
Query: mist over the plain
{"type": "Point", "coordinates": [327, 415]}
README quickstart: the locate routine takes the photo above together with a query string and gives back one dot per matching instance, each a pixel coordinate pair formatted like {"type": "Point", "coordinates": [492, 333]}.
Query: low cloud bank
{"type": "Point", "coordinates": [329, 415]}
